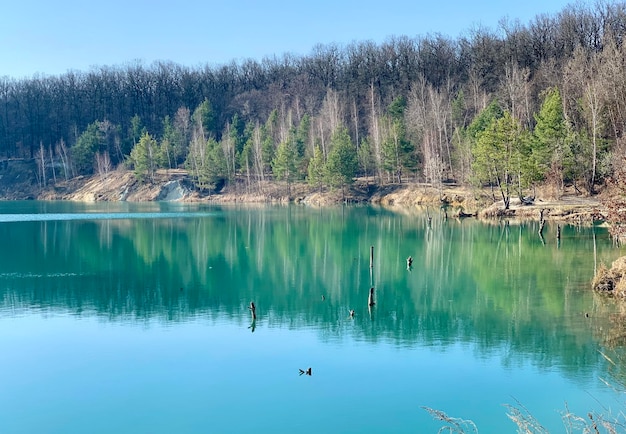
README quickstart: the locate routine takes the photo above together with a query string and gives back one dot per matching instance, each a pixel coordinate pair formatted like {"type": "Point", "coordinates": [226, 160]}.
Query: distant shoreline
{"type": "Point", "coordinates": [121, 185]}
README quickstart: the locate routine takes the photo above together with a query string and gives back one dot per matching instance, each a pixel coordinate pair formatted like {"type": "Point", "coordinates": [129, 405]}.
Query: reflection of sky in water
{"type": "Point", "coordinates": [217, 376]}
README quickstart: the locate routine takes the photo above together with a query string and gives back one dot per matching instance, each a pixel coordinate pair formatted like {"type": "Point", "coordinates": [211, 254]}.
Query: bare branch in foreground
{"type": "Point", "coordinates": [454, 425]}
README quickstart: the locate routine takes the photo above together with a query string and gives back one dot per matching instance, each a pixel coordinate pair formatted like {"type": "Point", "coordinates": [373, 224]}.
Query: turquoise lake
{"type": "Point", "coordinates": [134, 318]}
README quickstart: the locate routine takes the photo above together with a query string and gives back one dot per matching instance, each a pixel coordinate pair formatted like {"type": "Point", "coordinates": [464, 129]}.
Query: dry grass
{"type": "Point", "coordinates": [611, 280]}
{"type": "Point", "coordinates": [603, 281]}
{"type": "Point", "coordinates": [526, 422]}
{"type": "Point", "coordinates": [452, 424]}
{"type": "Point", "coordinates": [593, 423]}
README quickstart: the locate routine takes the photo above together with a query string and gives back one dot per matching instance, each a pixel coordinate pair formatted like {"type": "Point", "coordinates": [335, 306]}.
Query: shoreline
{"type": "Point", "coordinates": [460, 202]}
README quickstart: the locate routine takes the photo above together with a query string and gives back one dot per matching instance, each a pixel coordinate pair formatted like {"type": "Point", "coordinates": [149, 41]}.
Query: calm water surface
{"type": "Point", "coordinates": [133, 318]}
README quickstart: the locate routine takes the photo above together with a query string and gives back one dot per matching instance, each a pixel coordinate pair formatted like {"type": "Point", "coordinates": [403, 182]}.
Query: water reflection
{"type": "Point", "coordinates": [496, 286]}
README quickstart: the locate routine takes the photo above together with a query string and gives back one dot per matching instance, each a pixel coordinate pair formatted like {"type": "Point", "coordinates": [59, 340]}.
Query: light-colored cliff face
{"type": "Point", "coordinates": [120, 185]}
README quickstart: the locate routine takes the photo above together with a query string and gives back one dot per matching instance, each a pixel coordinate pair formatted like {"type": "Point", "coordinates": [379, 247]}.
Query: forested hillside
{"type": "Point", "coordinates": [511, 107]}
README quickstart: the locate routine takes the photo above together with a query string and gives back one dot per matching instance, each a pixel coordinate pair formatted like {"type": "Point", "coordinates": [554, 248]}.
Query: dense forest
{"type": "Point", "coordinates": [512, 108]}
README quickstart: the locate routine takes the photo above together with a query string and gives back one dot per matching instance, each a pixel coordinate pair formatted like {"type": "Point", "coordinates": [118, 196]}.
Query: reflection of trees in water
{"type": "Point", "coordinates": [608, 322]}
{"type": "Point", "coordinates": [492, 285]}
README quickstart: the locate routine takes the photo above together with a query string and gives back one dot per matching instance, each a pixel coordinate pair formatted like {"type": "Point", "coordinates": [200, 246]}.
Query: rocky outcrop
{"type": "Point", "coordinates": [173, 191]}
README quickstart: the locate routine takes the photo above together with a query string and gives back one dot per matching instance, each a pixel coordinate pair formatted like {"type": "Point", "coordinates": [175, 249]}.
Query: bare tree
{"type": "Point", "coordinates": [440, 111]}
{"type": "Point", "coordinates": [613, 61]}
{"type": "Point", "coordinates": [593, 106]}
{"type": "Point", "coordinates": [103, 163]}
{"type": "Point", "coordinates": [196, 155]}
{"type": "Point", "coordinates": [230, 151]}
{"type": "Point", "coordinates": [52, 165]}
{"type": "Point", "coordinates": [330, 117]}
{"type": "Point", "coordinates": [183, 127]}
{"type": "Point", "coordinates": [61, 150]}
{"type": "Point", "coordinates": [257, 150]}
{"type": "Point", "coordinates": [428, 121]}
{"type": "Point", "coordinates": [587, 105]}
{"type": "Point", "coordinates": [515, 86]}
{"type": "Point", "coordinates": [375, 133]}
{"type": "Point", "coordinates": [40, 157]}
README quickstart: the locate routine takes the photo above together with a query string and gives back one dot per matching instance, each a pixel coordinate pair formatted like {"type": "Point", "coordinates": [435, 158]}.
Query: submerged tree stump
{"type": "Point", "coordinates": [542, 221]}
{"type": "Point", "coordinates": [370, 298]}
{"type": "Point", "coordinates": [463, 214]}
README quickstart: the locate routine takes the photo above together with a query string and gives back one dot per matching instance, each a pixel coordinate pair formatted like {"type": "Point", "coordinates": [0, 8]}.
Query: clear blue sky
{"type": "Point", "coordinates": [51, 37]}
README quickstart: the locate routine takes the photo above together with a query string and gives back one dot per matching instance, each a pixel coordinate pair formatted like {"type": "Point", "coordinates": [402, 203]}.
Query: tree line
{"type": "Point", "coordinates": [511, 108]}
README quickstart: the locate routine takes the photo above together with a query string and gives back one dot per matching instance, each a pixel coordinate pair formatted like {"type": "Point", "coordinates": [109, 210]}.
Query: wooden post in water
{"type": "Point", "coordinates": [558, 232]}
{"type": "Point", "coordinates": [372, 266]}
{"type": "Point", "coordinates": [370, 298]}
{"type": "Point", "coordinates": [252, 308]}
